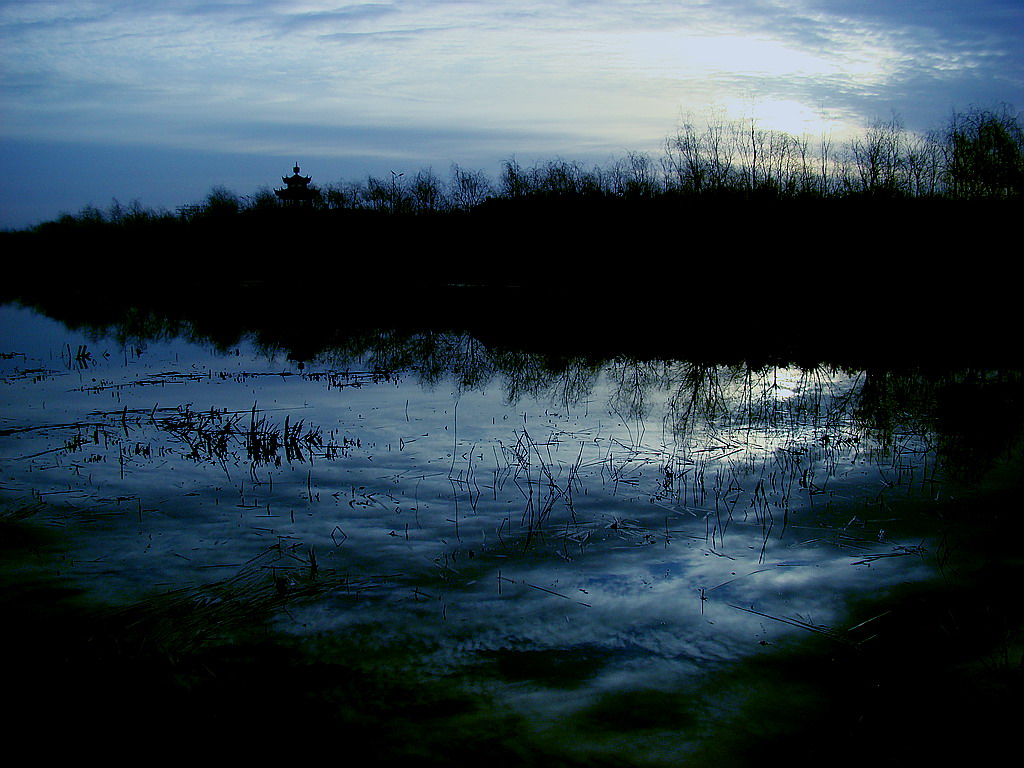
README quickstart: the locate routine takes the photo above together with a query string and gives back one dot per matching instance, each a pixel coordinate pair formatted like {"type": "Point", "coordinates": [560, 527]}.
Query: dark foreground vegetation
{"type": "Point", "coordinates": [738, 241]}
{"type": "Point", "coordinates": [938, 682]}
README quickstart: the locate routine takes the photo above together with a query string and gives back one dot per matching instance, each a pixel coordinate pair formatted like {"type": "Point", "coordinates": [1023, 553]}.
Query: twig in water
{"type": "Point", "coordinates": [821, 630]}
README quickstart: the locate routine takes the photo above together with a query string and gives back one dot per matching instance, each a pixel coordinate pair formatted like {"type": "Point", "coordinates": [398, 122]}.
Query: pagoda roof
{"type": "Point", "coordinates": [296, 188]}
{"type": "Point", "coordinates": [296, 178]}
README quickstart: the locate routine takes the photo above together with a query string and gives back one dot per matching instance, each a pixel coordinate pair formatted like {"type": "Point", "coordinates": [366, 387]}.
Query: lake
{"type": "Point", "coordinates": [452, 552]}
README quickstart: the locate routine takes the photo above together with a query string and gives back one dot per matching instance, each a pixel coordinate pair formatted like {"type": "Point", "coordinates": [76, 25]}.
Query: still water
{"type": "Point", "coordinates": [568, 542]}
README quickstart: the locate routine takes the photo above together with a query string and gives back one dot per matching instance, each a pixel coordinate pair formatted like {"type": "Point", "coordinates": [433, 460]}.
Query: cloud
{"type": "Point", "coordinates": [586, 77]}
{"type": "Point", "coordinates": [254, 57]}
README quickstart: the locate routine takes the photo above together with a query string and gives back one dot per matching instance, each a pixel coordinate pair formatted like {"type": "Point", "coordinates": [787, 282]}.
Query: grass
{"type": "Point", "coordinates": [187, 619]}
{"type": "Point", "coordinates": [925, 673]}
{"type": "Point", "coordinates": [201, 670]}
{"type": "Point", "coordinates": [216, 435]}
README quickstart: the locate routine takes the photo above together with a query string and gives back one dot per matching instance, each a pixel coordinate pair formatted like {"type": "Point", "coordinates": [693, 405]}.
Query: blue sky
{"type": "Point", "coordinates": [161, 100]}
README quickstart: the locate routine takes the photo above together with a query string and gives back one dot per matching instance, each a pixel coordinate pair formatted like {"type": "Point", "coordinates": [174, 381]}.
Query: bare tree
{"type": "Point", "coordinates": [468, 188]}
{"type": "Point", "coordinates": [427, 192]}
{"type": "Point", "coordinates": [922, 164]}
{"type": "Point", "coordinates": [633, 176]}
{"type": "Point", "coordinates": [878, 156]}
{"type": "Point", "coordinates": [686, 161]}
{"type": "Point", "coordinates": [514, 181]}
{"type": "Point", "coordinates": [221, 201]}
{"type": "Point", "coordinates": [263, 199]}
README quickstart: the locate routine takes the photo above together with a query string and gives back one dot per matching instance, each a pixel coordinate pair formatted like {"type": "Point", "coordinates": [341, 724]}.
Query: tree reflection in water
{"type": "Point", "coordinates": [523, 522]}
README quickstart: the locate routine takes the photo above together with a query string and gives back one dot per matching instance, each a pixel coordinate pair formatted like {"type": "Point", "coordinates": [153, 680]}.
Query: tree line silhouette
{"type": "Point", "coordinates": [977, 155]}
{"type": "Point", "coordinates": [737, 237]}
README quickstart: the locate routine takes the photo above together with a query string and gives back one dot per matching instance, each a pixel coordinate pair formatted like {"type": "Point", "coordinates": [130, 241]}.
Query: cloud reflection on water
{"type": "Point", "coordinates": [666, 517]}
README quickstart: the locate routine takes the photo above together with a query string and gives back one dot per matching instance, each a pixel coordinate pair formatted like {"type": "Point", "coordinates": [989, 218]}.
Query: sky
{"type": "Point", "coordinates": [159, 101]}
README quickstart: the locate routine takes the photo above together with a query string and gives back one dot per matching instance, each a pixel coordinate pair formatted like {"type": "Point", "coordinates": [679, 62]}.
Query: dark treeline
{"type": "Point", "coordinates": [737, 241]}
{"type": "Point", "coordinates": [977, 155]}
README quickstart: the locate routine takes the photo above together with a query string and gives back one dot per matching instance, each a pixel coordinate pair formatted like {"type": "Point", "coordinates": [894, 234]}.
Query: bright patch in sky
{"type": "Point", "coordinates": [787, 116]}
{"type": "Point", "coordinates": [750, 68]}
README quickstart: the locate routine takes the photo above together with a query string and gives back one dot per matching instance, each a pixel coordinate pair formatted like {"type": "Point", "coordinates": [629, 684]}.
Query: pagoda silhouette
{"type": "Point", "coordinates": [296, 190]}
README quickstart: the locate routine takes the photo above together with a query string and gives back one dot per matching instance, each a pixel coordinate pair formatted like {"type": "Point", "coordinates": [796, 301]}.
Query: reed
{"type": "Point", "coordinates": [217, 435]}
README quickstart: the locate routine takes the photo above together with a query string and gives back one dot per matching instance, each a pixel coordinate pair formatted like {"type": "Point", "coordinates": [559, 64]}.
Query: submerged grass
{"type": "Point", "coordinates": [203, 669]}
{"type": "Point", "coordinates": [186, 619]}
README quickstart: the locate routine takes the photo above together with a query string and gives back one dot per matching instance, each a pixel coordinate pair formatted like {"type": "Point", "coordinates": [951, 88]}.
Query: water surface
{"type": "Point", "coordinates": [590, 548]}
